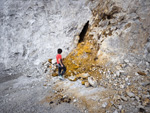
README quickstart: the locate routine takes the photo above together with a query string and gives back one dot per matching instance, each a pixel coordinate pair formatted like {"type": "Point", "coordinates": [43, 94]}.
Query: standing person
{"type": "Point", "coordinates": [60, 64]}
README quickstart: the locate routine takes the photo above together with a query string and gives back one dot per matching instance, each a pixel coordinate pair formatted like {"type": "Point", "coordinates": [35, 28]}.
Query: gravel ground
{"type": "Point", "coordinates": [24, 95]}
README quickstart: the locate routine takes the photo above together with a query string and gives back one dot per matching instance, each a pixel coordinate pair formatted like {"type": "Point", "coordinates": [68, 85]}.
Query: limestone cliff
{"type": "Point", "coordinates": [106, 49]}
{"type": "Point", "coordinates": [31, 32]}
{"type": "Point", "coordinates": [117, 39]}
{"type": "Point", "coordinates": [122, 30]}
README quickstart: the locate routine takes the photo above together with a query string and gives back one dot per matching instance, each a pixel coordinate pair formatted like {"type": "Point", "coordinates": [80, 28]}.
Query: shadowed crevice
{"type": "Point", "coordinates": [83, 32]}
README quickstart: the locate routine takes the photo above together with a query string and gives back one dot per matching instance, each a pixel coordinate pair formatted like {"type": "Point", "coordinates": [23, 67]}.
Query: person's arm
{"type": "Point", "coordinates": [60, 61]}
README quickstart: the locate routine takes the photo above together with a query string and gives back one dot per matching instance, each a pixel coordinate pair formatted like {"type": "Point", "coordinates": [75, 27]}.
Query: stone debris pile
{"type": "Point", "coordinates": [113, 55]}
{"type": "Point", "coordinates": [132, 87]}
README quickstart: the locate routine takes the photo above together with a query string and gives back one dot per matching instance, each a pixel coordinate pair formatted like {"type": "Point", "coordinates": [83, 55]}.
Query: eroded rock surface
{"type": "Point", "coordinates": [112, 43]}
{"type": "Point", "coordinates": [32, 31]}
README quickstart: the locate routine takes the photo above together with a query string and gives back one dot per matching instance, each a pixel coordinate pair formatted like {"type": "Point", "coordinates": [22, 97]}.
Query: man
{"type": "Point", "coordinates": [61, 66]}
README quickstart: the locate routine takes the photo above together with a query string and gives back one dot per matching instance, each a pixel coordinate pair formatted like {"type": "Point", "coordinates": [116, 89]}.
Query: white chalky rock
{"type": "Point", "coordinates": [122, 86]}
{"type": "Point", "coordinates": [75, 100]}
{"type": "Point", "coordinates": [87, 84]}
{"type": "Point", "coordinates": [118, 73]}
{"type": "Point", "coordinates": [130, 94]}
{"type": "Point", "coordinates": [53, 61]}
{"type": "Point", "coordinates": [120, 107]}
{"type": "Point", "coordinates": [127, 61]}
{"type": "Point", "coordinates": [83, 75]}
{"type": "Point", "coordinates": [124, 98]}
{"type": "Point", "coordinates": [136, 74]}
{"type": "Point", "coordinates": [121, 72]}
{"type": "Point", "coordinates": [126, 79]}
{"type": "Point", "coordinates": [104, 104]}
{"type": "Point", "coordinates": [92, 81]}
{"type": "Point", "coordinates": [115, 111]}
{"type": "Point", "coordinates": [147, 64]}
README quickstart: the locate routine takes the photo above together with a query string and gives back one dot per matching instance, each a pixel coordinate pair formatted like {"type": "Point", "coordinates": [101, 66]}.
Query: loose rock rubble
{"type": "Point", "coordinates": [113, 54]}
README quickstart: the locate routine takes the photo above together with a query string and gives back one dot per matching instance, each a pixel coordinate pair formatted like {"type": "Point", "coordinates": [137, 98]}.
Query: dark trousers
{"type": "Point", "coordinates": [61, 70]}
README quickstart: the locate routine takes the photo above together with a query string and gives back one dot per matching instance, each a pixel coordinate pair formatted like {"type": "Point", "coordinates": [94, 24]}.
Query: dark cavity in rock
{"type": "Point", "coordinates": [83, 32]}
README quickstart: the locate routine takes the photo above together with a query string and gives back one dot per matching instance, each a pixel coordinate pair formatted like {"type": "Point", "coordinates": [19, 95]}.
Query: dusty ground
{"type": "Point", "coordinates": [48, 94]}
{"type": "Point", "coordinates": [26, 95]}
{"type": "Point", "coordinates": [88, 100]}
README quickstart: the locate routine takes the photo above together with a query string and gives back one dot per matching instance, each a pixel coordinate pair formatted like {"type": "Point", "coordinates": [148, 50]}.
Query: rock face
{"type": "Point", "coordinates": [32, 31]}
{"type": "Point", "coordinates": [122, 30]}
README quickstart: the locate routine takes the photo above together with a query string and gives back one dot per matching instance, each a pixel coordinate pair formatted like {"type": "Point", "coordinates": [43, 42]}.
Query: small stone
{"type": "Point", "coordinates": [136, 74]}
{"type": "Point", "coordinates": [131, 65]}
{"type": "Point", "coordinates": [83, 75]}
{"type": "Point", "coordinates": [54, 74]}
{"type": "Point", "coordinates": [115, 111]}
{"type": "Point", "coordinates": [53, 61]}
{"type": "Point", "coordinates": [75, 100]}
{"type": "Point", "coordinates": [145, 83]}
{"type": "Point", "coordinates": [104, 104]}
{"type": "Point", "coordinates": [133, 103]}
{"type": "Point", "coordinates": [124, 98]}
{"type": "Point", "coordinates": [128, 83]}
{"type": "Point", "coordinates": [122, 72]}
{"type": "Point", "coordinates": [130, 94]}
{"type": "Point", "coordinates": [147, 64]}
{"type": "Point", "coordinates": [140, 106]}
{"type": "Point", "coordinates": [124, 65]}
{"type": "Point", "coordinates": [137, 98]}
{"type": "Point", "coordinates": [109, 81]}
{"type": "Point", "coordinates": [146, 101]}
{"type": "Point", "coordinates": [50, 60]}
{"type": "Point", "coordinates": [87, 84]}
{"type": "Point", "coordinates": [46, 64]}
{"type": "Point", "coordinates": [122, 86]}
{"type": "Point", "coordinates": [132, 99]}
{"type": "Point", "coordinates": [116, 97]}
{"type": "Point", "coordinates": [127, 61]}
{"type": "Point", "coordinates": [83, 82]}
{"type": "Point", "coordinates": [118, 73]}
{"type": "Point", "coordinates": [85, 111]}
{"type": "Point", "coordinates": [49, 84]}
{"type": "Point", "coordinates": [122, 111]}
{"type": "Point", "coordinates": [29, 76]}
{"type": "Point", "coordinates": [126, 79]}
{"type": "Point", "coordinates": [44, 84]}
{"type": "Point", "coordinates": [115, 75]}
{"type": "Point", "coordinates": [147, 71]}
{"type": "Point", "coordinates": [141, 73]}
{"type": "Point", "coordinates": [120, 107]}
{"type": "Point", "coordinates": [112, 102]}
{"type": "Point", "coordinates": [118, 67]}
{"type": "Point", "coordinates": [72, 78]}
{"type": "Point", "coordinates": [65, 96]}
{"type": "Point", "coordinates": [92, 81]}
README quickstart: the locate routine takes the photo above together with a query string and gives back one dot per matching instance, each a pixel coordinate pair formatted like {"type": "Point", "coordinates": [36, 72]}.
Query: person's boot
{"type": "Point", "coordinates": [61, 77]}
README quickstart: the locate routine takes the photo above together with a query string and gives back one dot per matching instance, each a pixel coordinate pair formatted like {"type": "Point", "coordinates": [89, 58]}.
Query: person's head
{"type": "Point", "coordinates": [59, 51]}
